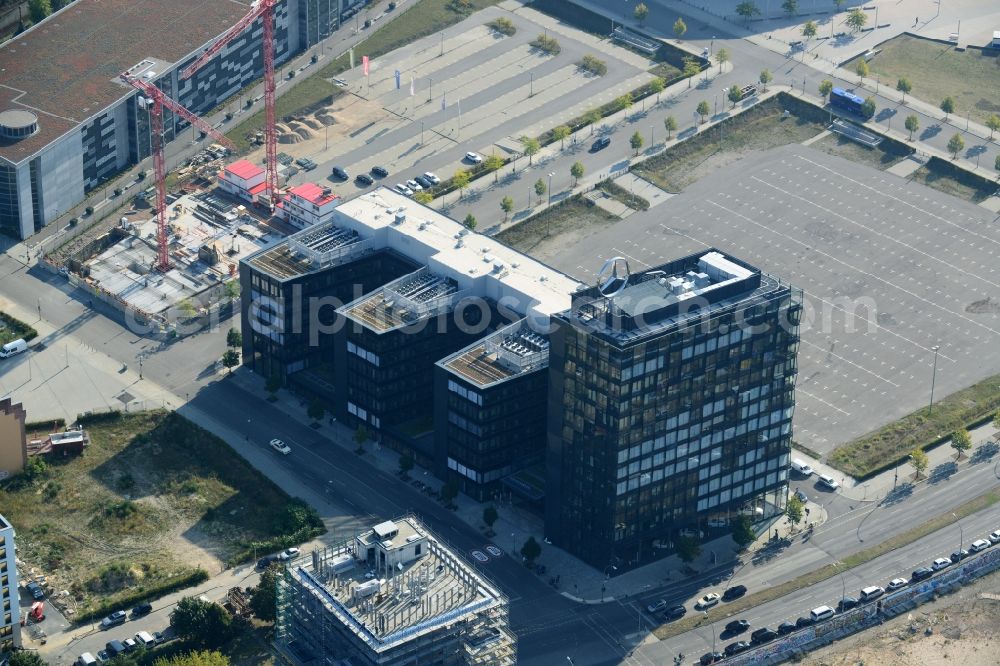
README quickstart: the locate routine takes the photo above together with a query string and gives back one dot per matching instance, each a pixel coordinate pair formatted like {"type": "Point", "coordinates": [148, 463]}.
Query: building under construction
{"type": "Point", "coordinates": [393, 594]}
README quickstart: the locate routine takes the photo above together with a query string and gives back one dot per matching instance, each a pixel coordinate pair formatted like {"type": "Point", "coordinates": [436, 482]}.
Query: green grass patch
{"type": "Point", "coordinates": [883, 156]}
{"type": "Point", "coordinates": [619, 193]}
{"type": "Point", "coordinates": [733, 608]}
{"type": "Point", "coordinates": [308, 95]}
{"type": "Point", "coordinates": [935, 70]}
{"type": "Point", "coordinates": [880, 450]}
{"type": "Point", "coordinates": [759, 128]}
{"type": "Point", "coordinates": [946, 177]}
{"type": "Point", "coordinates": [806, 450]}
{"type": "Point", "coordinates": [567, 216]}
{"type": "Point", "coordinates": [665, 71]}
{"type": "Point", "coordinates": [14, 329]}
{"type": "Point", "coordinates": [152, 498]}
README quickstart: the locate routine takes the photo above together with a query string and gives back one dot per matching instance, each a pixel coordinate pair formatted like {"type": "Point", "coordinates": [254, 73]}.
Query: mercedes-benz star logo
{"type": "Point", "coordinates": [613, 277]}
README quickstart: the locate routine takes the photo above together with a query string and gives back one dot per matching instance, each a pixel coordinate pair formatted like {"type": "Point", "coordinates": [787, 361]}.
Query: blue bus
{"type": "Point", "coordinates": [842, 99]}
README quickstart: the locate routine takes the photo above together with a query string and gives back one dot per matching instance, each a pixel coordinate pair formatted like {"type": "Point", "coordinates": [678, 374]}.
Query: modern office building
{"type": "Point", "coordinates": [10, 606]}
{"type": "Point", "coordinates": [67, 124]}
{"type": "Point", "coordinates": [670, 403]}
{"type": "Point", "coordinates": [391, 595]}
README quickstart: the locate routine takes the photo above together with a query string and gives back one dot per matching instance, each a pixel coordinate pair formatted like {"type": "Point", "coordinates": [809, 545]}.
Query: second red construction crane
{"type": "Point", "coordinates": [155, 100]}
{"type": "Point", "coordinates": [265, 10]}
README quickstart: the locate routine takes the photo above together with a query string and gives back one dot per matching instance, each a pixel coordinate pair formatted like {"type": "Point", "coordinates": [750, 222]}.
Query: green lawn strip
{"type": "Point", "coordinates": [572, 213]}
{"type": "Point", "coordinates": [946, 177]}
{"type": "Point", "coordinates": [806, 450]}
{"type": "Point", "coordinates": [883, 156]}
{"type": "Point", "coordinates": [14, 329]}
{"type": "Point", "coordinates": [882, 449]}
{"type": "Point", "coordinates": [937, 70]}
{"type": "Point", "coordinates": [309, 95]}
{"type": "Point", "coordinates": [970, 507]}
{"type": "Point", "coordinates": [619, 193]}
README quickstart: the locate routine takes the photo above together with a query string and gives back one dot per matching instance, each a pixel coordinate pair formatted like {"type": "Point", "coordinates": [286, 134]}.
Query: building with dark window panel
{"type": "Point", "coordinates": [10, 618]}
{"type": "Point", "coordinates": [489, 409]}
{"type": "Point", "coordinates": [670, 403]}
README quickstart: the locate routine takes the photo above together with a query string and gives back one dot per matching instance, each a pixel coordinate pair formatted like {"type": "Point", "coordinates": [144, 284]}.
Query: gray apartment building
{"type": "Point", "coordinates": [10, 617]}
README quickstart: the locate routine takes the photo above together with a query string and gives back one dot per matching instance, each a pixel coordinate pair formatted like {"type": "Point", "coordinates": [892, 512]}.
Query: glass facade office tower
{"type": "Point", "coordinates": [670, 403]}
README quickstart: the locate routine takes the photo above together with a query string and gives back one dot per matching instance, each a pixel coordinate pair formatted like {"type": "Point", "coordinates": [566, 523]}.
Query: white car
{"type": "Point", "coordinates": [280, 446]}
{"type": "Point", "coordinates": [979, 545]}
{"type": "Point", "coordinates": [828, 481]}
{"type": "Point", "coordinates": [475, 158]}
{"type": "Point", "coordinates": [288, 554]}
{"type": "Point", "coordinates": [896, 584]}
{"type": "Point", "coordinates": [414, 185]}
{"type": "Point", "coordinates": [431, 177]}
{"type": "Point", "coordinates": [940, 563]}
{"type": "Point", "coordinates": [657, 606]}
{"type": "Point", "coordinates": [707, 601]}
{"type": "Point", "coordinates": [995, 536]}
{"type": "Point", "coordinates": [403, 189]}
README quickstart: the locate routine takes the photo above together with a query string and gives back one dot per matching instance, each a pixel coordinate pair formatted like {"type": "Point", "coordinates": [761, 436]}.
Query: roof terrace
{"type": "Point", "coordinates": [405, 301]}
{"type": "Point", "coordinates": [310, 250]}
{"type": "Point", "coordinates": [507, 353]}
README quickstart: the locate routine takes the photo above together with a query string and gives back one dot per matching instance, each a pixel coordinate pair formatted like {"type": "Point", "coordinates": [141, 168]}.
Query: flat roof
{"type": "Point", "coordinates": [313, 249]}
{"type": "Point", "coordinates": [507, 353]}
{"type": "Point", "coordinates": [405, 301]}
{"type": "Point", "coordinates": [65, 69]}
{"type": "Point", "coordinates": [245, 169]}
{"type": "Point", "coordinates": [314, 194]}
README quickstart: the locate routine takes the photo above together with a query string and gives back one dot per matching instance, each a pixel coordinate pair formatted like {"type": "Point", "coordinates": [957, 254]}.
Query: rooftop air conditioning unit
{"type": "Point", "coordinates": [399, 219]}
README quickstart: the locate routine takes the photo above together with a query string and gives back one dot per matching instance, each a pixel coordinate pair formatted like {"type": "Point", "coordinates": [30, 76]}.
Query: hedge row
{"type": "Point", "coordinates": [142, 594]}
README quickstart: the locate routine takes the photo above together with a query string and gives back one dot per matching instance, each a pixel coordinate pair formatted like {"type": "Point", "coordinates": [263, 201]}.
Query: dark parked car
{"type": "Point", "coordinates": [803, 622]}
{"type": "Point", "coordinates": [114, 648]}
{"type": "Point", "coordinates": [736, 648]}
{"type": "Point", "coordinates": [340, 173]}
{"type": "Point", "coordinates": [601, 143]}
{"type": "Point", "coordinates": [762, 636]}
{"type": "Point", "coordinates": [786, 627]}
{"type": "Point", "coordinates": [364, 180]}
{"type": "Point", "coordinates": [847, 603]}
{"type": "Point", "coordinates": [675, 613]}
{"type": "Point", "coordinates": [424, 182]}
{"type": "Point", "coordinates": [142, 609]}
{"type": "Point", "coordinates": [734, 592]}
{"type": "Point", "coordinates": [113, 620]}
{"type": "Point", "coordinates": [380, 172]}
{"type": "Point", "coordinates": [711, 658]}
{"type": "Point", "coordinates": [737, 626]}
{"type": "Point", "coordinates": [921, 574]}
{"type": "Point", "coordinates": [35, 590]}
{"type": "Point", "coordinates": [265, 561]}
{"type": "Point", "coordinates": [959, 555]}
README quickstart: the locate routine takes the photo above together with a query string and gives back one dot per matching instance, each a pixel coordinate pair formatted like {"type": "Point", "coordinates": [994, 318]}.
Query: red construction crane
{"type": "Point", "coordinates": [158, 99]}
{"type": "Point", "coordinates": [265, 10]}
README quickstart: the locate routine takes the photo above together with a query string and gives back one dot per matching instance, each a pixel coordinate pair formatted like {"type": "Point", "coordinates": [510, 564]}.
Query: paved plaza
{"type": "Point", "coordinates": [890, 269]}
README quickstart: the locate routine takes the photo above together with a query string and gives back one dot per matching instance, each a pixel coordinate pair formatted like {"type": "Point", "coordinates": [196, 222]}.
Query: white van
{"type": "Point", "coordinates": [871, 592]}
{"type": "Point", "coordinates": [821, 613]}
{"type": "Point", "coordinates": [86, 659]}
{"type": "Point", "coordinates": [145, 639]}
{"type": "Point", "coordinates": [801, 467]}
{"type": "Point", "coordinates": [13, 348]}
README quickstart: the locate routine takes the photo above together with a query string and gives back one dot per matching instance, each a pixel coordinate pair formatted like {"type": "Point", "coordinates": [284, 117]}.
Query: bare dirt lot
{"type": "Point", "coordinates": [965, 629]}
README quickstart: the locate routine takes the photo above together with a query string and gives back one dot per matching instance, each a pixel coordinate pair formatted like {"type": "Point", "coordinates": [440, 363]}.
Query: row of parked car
{"type": "Point", "coordinates": [422, 182]}
{"type": "Point", "coordinates": [821, 613]}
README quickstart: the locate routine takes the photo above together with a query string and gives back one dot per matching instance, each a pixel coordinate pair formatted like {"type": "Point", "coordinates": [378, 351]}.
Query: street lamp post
{"type": "Point", "coordinates": [930, 408]}
{"type": "Point", "coordinates": [896, 475]}
{"type": "Point", "coordinates": [430, 89]}
{"type": "Point", "coordinates": [531, 84]}
{"type": "Point", "coordinates": [961, 532]}
{"type": "Point", "coordinates": [550, 188]}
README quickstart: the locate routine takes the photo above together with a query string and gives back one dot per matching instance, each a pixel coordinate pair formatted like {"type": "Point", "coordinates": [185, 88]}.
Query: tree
{"type": "Point", "coordinates": [790, 7]}
{"type": "Point", "coordinates": [233, 338]}
{"type": "Point", "coordinates": [576, 171]}
{"type": "Point", "coordinates": [531, 550]}
{"type": "Point", "coordinates": [405, 463]}
{"type": "Point", "coordinates": [868, 108]}
{"type": "Point", "coordinates": [691, 69]}
{"type": "Point", "coordinates": [25, 658]}
{"type": "Point", "coordinates": [670, 124]}
{"type": "Point", "coordinates": [640, 13]}
{"type": "Point", "coordinates": [912, 123]}
{"type": "Point", "coordinates": [636, 142]}
{"type": "Point", "coordinates": [196, 658]}
{"type": "Point", "coordinates": [39, 9]}
{"type": "Point", "coordinates": [809, 29]}
{"type": "Point", "coordinates": [948, 106]}
{"type": "Point", "coordinates": [449, 492]}
{"type": "Point", "coordinates": [955, 145]}
{"type": "Point", "coordinates": [688, 548]}
{"type": "Point", "coordinates": [201, 623]}
{"type": "Point", "coordinates": [559, 134]}
{"type": "Point", "coordinates": [960, 439]}
{"type": "Point", "coordinates": [316, 410]}
{"type": "Point", "coordinates": [624, 103]}
{"type": "Point", "coordinates": [423, 197]}
{"type": "Point", "coordinates": [794, 510]}
{"type": "Point", "coordinates": [993, 122]}
{"type": "Point", "coordinates": [506, 205]}
{"type": "Point", "coordinates": [743, 532]}
{"type": "Point", "coordinates": [360, 437]}
{"type": "Point", "coordinates": [531, 146]}
{"type": "Point", "coordinates": [919, 461]}
{"type": "Point", "coordinates": [540, 189]}
{"type": "Point", "coordinates": [825, 86]}
{"type": "Point", "coordinates": [470, 222]}
{"type": "Point", "coordinates": [680, 27]}
{"type": "Point", "coordinates": [231, 359]}
{"type": "Point", "coordinates": [765, 78]}
{"type": "Point", "coordinates": [461, 181]}
{"type": "Point", "coordinates": [747, 10]}
{"type": "Point", "coordinates": [734, 95]}
{"type": "Point", "coordinates": [904, 86]}
{"type": "Point", "coordinates": [272, 385]}
{"type": "Point", "coordinates": [263, 599]}
{"type": "Point", "coordinates": [856, 19]}
{"type": "Point", "coordinates": [839, 4]}
{"type": "Point", "coordinates": [231, 289]}
{"type": "Point", "coordinates": [703, 110]}
{"type": "Point", "coordinates": [721, 57]}
{"type": "Point", "coordinates": [996, 419]}
{"type": "Point", "coordinates": [862, 69]}
{"type": "Point", "coordinates": [490, 516]}
{"type": "Point", "coordinates": [657, 86]}
{"type": "Point", "coordinates": [592, 117]}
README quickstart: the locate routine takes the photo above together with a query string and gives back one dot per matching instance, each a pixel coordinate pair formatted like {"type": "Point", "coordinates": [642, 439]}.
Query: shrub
{"type": "Point", "coordinates": [593, 65]}
{"type": "Point", "coordinates": [547, 44]}
{"type": "Point", "coordinates": [503, 25]}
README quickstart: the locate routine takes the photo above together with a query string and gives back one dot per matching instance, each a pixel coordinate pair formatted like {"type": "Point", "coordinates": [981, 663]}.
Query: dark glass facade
{"type": "Point", "coordinates": [659, 422]}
